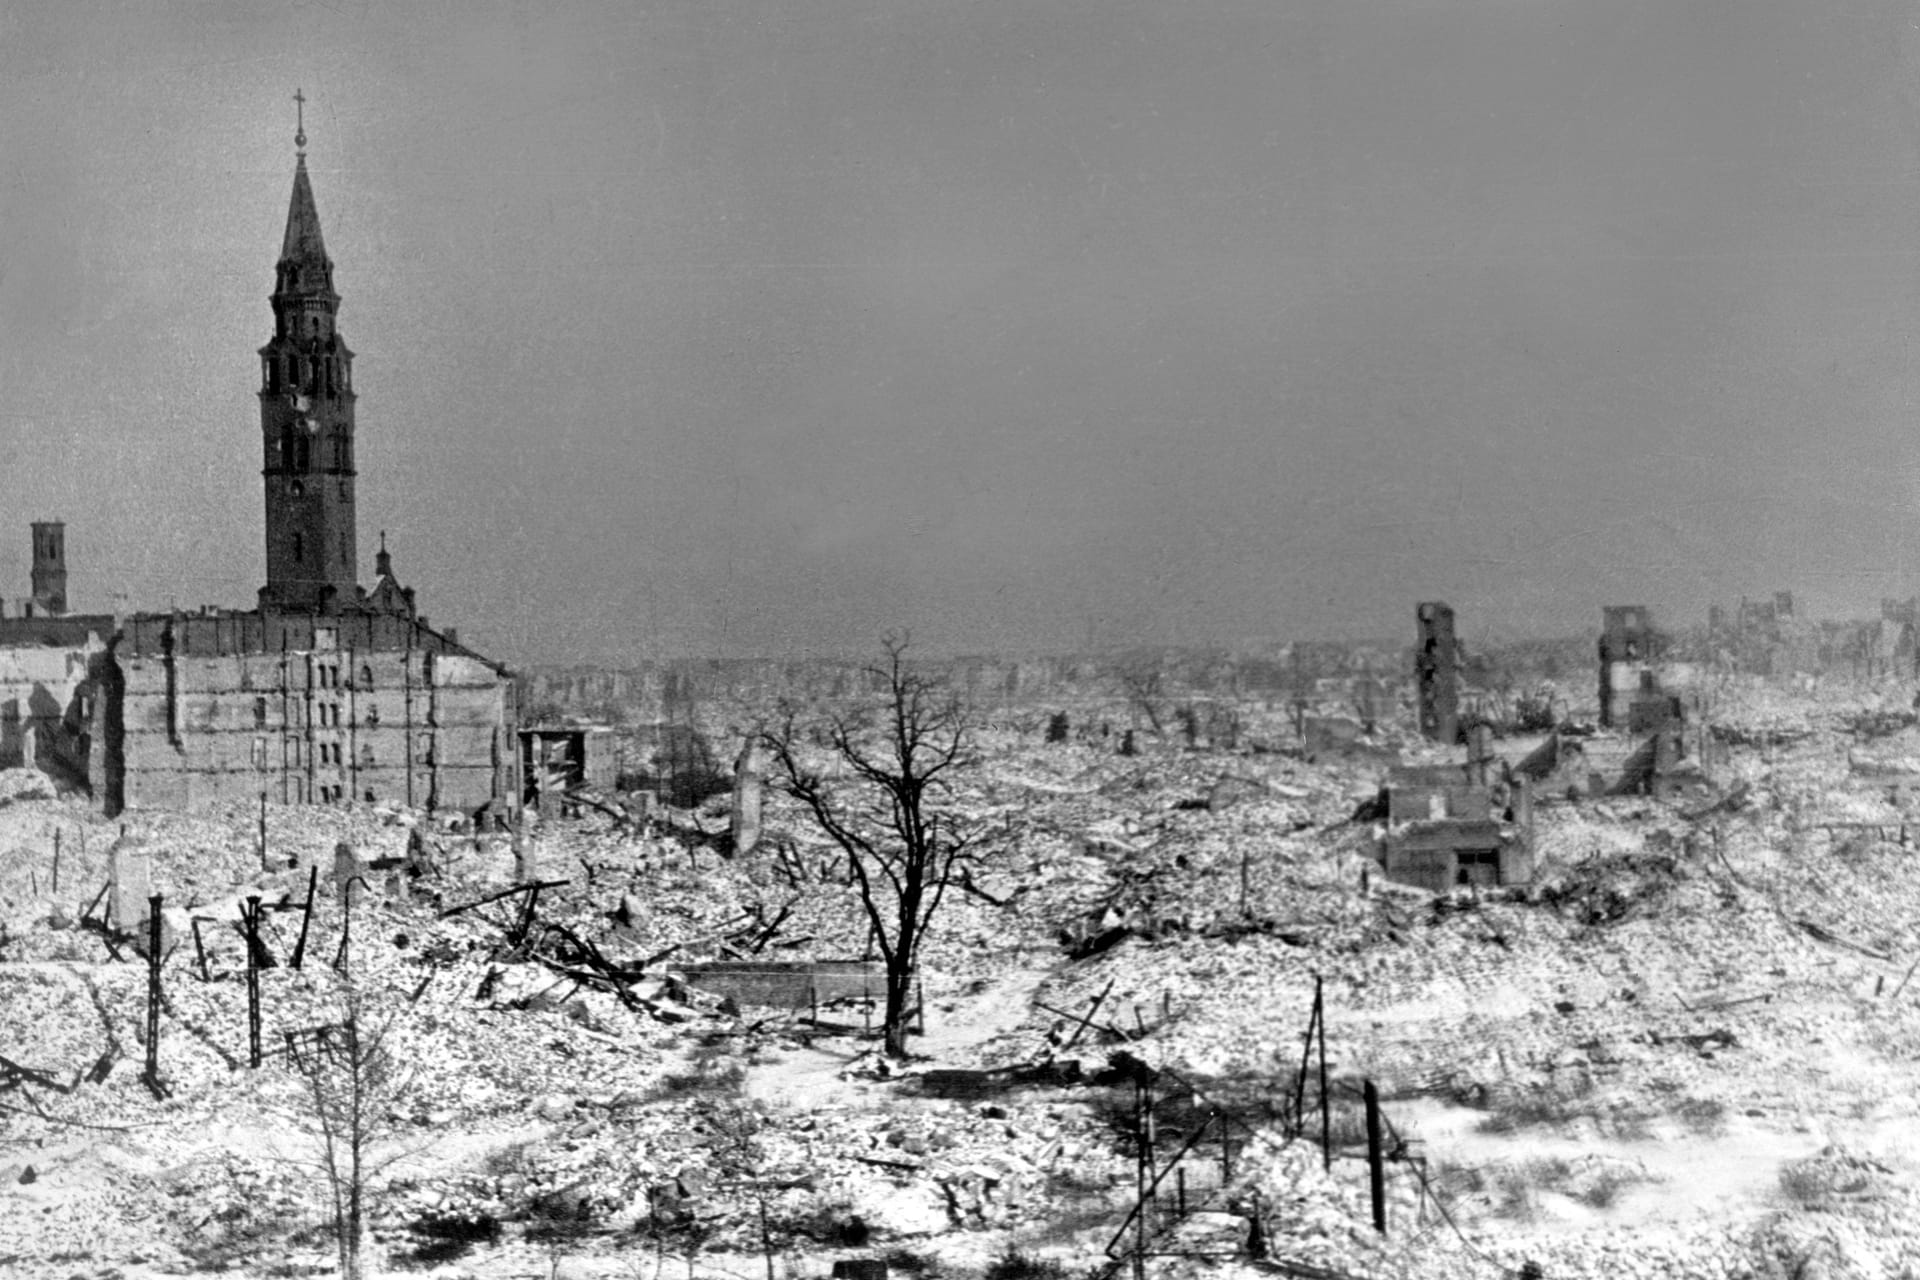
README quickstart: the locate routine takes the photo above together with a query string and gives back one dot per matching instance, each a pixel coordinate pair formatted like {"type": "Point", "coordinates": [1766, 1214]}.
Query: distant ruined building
{"type": "Point", "coordinates": [326, 691]}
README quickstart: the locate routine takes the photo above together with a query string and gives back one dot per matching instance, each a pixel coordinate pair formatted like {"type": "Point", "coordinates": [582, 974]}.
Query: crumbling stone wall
{"type": "Point", "coordinates": [412, 727]}
{"type": "Point", "coordinates": [45, 717]}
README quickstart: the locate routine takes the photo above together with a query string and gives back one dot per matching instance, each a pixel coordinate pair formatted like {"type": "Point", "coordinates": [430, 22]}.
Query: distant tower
{"type": "Point", "coordinates": [1436, 668]}
{"type": "Point", "coordinates": [49, 567]}
{"type": "Point", "coordinates": [306, 420]}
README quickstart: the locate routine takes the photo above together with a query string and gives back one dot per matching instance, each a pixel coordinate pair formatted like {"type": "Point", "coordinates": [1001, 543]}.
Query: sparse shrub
{"type": "Point", "coordinates": [1605, 1189]}
{"type": "Point", "coordinates": [1626, 1124]}
{"type": "Point", "coordinates": [1517, 1201]}
{"type": "Point", "coordinates": [514, 1157]}
{"type": "Point", "coordinates": [907, 1262]}
{"type": "Point", "coordinates": [705, 1078]}
{"type": "Point", "coordinates": [445, 1239]}
{"type": "Point", "coordinates": [1594, 1182]}
{"type": "Point", "coordinates": [1533, 712]}
{"type": "Point", "coordinates": [828, 1222]}
{"type": "Point", "coordinates": [565, 1213]}
{"type": "Point", "coordinates": [1554, 1104]}
{"type": "Point", "coordinates": [1057, 727]}
{"type": "Point", "coordinates": [1802, 1184]}
{"type": "Point", "coordinates": [1015, 1264]}
{"type": "Point", "coordinates": [1548, 1171]}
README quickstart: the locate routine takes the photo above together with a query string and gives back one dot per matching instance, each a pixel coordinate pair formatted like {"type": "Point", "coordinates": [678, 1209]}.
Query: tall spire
{"type": "Point", "coordinates": [306, 419]}
{"type": "Point", "coordinates": [302, 245]}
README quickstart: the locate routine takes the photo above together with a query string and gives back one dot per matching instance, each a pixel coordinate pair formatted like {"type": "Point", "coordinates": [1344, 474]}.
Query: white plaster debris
{"type": "Point", "coordinates": [1680, 1053]}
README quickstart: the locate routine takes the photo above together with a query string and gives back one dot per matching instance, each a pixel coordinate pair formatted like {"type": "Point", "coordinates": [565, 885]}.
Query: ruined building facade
{"type": "Point", "coordinates": [326, 691]}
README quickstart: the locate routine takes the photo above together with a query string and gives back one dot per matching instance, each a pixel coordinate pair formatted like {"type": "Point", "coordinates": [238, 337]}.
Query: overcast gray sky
{"type": "Point", "coordinates": [734, 329]}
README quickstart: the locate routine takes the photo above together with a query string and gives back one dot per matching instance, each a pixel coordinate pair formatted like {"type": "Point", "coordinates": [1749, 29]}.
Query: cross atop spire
{"type": "Point", "coordinates": [300, 121]}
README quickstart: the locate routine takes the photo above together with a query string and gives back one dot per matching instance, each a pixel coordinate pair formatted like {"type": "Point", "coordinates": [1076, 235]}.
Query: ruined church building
{"type": "Point", "coordinates": [326, 691]}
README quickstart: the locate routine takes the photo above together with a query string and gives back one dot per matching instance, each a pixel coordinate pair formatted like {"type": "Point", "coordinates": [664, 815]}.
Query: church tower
{"type": "Point", "coordinates": [306, 420]}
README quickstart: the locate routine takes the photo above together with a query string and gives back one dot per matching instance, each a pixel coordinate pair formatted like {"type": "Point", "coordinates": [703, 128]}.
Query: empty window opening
{"type": "Point", "coordinates": [1477, 867]}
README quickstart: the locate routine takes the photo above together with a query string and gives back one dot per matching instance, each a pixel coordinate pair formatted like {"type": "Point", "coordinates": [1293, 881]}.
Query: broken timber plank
{"type": "Point", "coordinates": [1827, 935]}
{"type": "Point", "coordinates": [1091, 1010]}
{"type": "Point", "coordinates": [506, 893]}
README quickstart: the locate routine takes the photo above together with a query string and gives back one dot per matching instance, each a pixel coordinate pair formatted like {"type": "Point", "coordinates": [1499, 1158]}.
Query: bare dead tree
{"type": "Point", "coordinates": [885, 811]}
{"type": "Point", "coordinates": [1143, 681]}
{"type": "Point", "coordinates": [352, 1081]}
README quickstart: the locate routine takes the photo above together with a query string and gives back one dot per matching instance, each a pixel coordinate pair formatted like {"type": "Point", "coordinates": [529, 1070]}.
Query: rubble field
{"type": "Point", "coordinates": [1686, 1048]}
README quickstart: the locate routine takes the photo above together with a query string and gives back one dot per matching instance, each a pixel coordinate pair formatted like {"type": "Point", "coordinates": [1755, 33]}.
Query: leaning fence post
{"type": "Point", "coordinates": [306, 915]}
{"type": "Point", "coordinates": [346, 925]}
{"type": "Point", "coordinates": [253, 980]}
{"type": "Point", "coordinates": [1376, 1164]}
{"type": "Point", "coordinates": [1306, 1062]}
{"type": "Point", "coordinates": [1326, 1114]}
{"type": "Point", "coordinates": [56, 861]}
{"type": "Point", "coordinates": [152, 1076]}
{"type": "Point", "coordinates": [1142, 1174]}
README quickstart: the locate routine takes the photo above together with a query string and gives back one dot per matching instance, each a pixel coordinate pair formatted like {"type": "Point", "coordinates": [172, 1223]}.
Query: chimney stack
{"type": "Point", "coordinates": [50, 567]}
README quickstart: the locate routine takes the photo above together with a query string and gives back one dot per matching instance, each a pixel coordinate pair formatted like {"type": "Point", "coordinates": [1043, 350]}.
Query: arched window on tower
{"type": "Point", "coordinates": [299, 547]}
